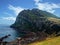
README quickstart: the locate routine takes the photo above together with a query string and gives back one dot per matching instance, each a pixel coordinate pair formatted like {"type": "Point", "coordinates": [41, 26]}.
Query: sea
{"type": "Point", "coordinates": [6, 30]}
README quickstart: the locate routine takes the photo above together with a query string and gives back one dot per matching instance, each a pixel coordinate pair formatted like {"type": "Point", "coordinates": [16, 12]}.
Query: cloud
{"type": "Point", "coordinates": [46, 6]}
{"type": "Point", "coordinates": [9, 18]}
{"type": "Point", "coordinates": [8, 14]}
{"type": "Point", "coordinates": [16, 10]}
{"type": "Point", "coordinates": [36, 1]}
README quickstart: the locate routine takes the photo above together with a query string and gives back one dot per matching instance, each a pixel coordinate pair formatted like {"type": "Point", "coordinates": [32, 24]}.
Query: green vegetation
{"type": "Point", "coordinates": [37, 20]}
{"type": "Point", "coordinates": [48, 41]}
{"type": "Point", "coordinates": [39, 25]}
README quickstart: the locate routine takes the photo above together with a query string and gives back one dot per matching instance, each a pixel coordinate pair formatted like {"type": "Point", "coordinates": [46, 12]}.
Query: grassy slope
{"type": "Point", "coordinates": [48, 41]}
{"type": "Point", "coordinates": [57, 21]}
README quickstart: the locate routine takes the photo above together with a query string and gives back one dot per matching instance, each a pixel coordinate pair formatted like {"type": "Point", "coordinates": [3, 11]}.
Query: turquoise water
{"type": "Point", "coordinates": [5, 30]}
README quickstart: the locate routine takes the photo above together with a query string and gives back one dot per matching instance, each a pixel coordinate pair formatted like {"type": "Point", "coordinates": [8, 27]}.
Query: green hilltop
{"type": "Point", "coordinates": [37, 20]}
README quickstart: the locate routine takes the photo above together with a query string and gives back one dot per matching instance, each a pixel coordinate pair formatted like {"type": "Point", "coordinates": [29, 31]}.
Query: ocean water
{"type": "Point", "coordinates": [5, 30]}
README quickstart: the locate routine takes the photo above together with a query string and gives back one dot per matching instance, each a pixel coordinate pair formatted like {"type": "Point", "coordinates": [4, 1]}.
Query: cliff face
{"type": "Point", "coordinates": [37, 20]}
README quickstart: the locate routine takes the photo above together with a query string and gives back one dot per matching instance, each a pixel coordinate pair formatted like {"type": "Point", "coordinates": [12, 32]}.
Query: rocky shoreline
{"type": "Point", "coordinates": [28, 38]}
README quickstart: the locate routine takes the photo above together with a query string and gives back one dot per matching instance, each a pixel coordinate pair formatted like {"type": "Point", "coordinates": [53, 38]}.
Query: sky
{"type": "Point", "coordinates": [9, 9]}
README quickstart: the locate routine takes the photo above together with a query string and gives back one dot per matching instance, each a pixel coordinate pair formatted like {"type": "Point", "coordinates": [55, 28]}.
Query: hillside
{"type": "Point", "coordinates": [37, 20]}
{"type": "Point", "coordinates": [48, 41]}
{"type": "Point", "coordinates": [57, 21]}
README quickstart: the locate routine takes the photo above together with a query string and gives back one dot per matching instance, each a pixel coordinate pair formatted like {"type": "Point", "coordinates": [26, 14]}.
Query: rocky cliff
{"type": "Point", "coordinates": [37, 20]}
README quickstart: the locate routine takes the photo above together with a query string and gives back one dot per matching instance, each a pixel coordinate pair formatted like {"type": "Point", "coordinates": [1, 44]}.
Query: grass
{"type": "Point", "coordinates": [57, 21]}
{"type": "Point", "coordinates": [48, 41]}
